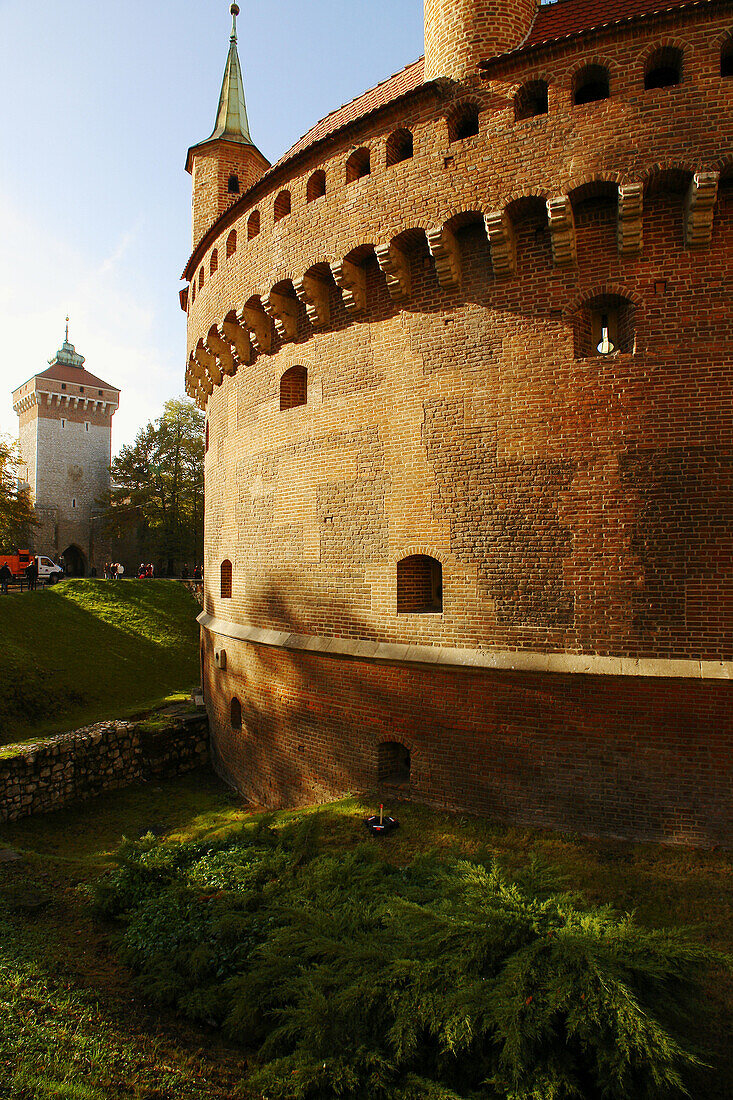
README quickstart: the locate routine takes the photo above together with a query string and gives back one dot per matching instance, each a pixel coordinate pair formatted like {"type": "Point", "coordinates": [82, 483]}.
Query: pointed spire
{"type": "Point", "coordinates": [67, 353]}
{"type": "Point", "coordinates": [67, 329]}
{"type": "Point", "coordinates": [231, 116]}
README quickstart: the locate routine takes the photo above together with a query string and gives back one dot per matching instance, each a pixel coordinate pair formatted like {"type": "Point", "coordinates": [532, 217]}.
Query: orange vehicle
{"type": "Point", "coordinates": [17, 563]}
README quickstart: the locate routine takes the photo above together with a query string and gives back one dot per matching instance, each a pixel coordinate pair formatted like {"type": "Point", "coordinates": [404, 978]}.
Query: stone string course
{"type": "Point", "coordinates": [83, 764]}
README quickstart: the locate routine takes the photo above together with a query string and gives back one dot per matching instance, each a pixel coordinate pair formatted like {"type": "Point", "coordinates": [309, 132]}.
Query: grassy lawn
{"type": "Point", "coordinates": [86, 650]}
{"type": "Point", "coordinates": [73, 1023]}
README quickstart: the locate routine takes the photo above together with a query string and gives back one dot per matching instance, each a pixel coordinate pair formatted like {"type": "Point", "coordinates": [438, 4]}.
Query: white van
{"type": "Point", "coordinates": [48, 571]}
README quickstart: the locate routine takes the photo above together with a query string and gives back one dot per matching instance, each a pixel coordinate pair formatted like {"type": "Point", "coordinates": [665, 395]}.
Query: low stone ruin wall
{"type": "Point", "coordinates": [76, 766]}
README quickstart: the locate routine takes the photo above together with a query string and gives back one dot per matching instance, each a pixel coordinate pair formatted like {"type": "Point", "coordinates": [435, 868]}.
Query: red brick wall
{"type": "Point", "coordinates": [634, 757]}
{"type": "Point", "coordinates": [461, 33]}
{"type": "Point", "coordinates": [577, 504]}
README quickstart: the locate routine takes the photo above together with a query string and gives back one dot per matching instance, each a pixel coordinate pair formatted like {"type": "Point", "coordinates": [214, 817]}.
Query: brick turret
{"type": "Point", "coordinates": [228, 162]}
{"type": "Point", "coordinates": [461, 33]}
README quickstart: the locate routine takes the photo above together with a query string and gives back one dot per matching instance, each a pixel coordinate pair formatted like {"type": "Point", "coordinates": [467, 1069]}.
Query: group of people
{"type": "Point", "coordinates": [198, 573]}
{"type": "Point", "coordinates": [29, 576]}
{"type": "Point", "coordinates": [144, 571]}
{"type": "Point", "coordinates": [113, 571]}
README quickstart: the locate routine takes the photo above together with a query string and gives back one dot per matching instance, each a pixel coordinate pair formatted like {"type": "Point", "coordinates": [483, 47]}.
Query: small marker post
{"type": "Point", "coordinates": [381, 813]}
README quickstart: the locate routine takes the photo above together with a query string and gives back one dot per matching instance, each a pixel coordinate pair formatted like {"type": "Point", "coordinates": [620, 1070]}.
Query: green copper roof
{"type": "Point", "coordinates": [67, 353]}
{"type": "Point", "coordinates": [231, 117]}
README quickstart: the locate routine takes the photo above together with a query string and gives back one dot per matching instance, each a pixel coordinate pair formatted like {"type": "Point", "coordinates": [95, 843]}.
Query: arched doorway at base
{"type": "Point", "coordinates": [75, 563]}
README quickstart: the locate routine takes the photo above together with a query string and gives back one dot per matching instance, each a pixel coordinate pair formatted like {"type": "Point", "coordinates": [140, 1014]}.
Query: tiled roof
{"type": "Point", "coordinates": [78, 376]}
{"type": "Point", "coordinates": [566, 17]}
{"type": "Point", "coordinates": [402, 82]}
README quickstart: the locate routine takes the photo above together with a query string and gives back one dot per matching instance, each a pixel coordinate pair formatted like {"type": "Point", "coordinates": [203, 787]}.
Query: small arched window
{"type": "Point", "coordinates": [400, 146]}
{"type": "Point", "coordinates": [214, 263]}
{"type": "Point", "coordinates": [419, 585]}
{"type": "Point", "coordinates": [393, 764]}
{"type": "Point", "coordinates": [463, 122]}
{"type": "Point", "coordinates": [231, 243]}
{"type": "Point", "coordinates": [235, 714]}
{"type": "Point", "coordinates": [193, 291]}
{"type": "Point", "coordinates": [233, 185]}
{"type": "Point", "coordinates": [726, 58]}
{"type": "Point", "coordinates": [253, 224]}
{"type": "Point", "coordinates": [316, 186]}
{"type": "Point", "coordinates": [226, 579]}
{"type": "Point", "coordinates": [294, 388]}
{"type": "Point", "coordinates": [531, 100]}
{"type": "Point", "coordinates": [358, 165]}
{"type": "Point", "coordinates": [605, 326]}
{"type": "Point", "coordinates": [591, 84]}
{"type": "Point", "coordinates": [201, 277]}
{"type": "Point", "coordinates": [282, 205]}
{"type": "Point", "coordinates": [664, 68]}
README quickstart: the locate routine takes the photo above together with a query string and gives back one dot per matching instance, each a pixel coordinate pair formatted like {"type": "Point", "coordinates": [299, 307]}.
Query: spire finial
{"type": "Point", "coordinates": [67, 328]}
{"type": "Point", "coordinates": [235, 12]}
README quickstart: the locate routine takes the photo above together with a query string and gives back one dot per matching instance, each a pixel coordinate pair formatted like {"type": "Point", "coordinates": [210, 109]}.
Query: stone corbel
{"type": "Point", "coordinates": [315, 294]}
{"type": "Point", "coordinates": [238, 337]}
{"type": "Point", "coordinates": [260, 327]}
{"type": "Point", "coordinates": [396, 266]}
{"type": "Point", "coordinates": [700, 208]}
{"type": "Point", "coordinates": [447, 256]}
{"type": "Point", "coordinates": [221, 349]}
{"type": "Point", "coordinates": [208, 364]}
{"type": "Point", "coordinates": [351, 280]}
{"type": "Point", "coordinates": [562, 231]}
{"type": "Point", "coordinates": [630, 218]}
{"type": "Point", "coordinates": [500, 232]}
{"type": "Point", "coordinates": [284, 312]}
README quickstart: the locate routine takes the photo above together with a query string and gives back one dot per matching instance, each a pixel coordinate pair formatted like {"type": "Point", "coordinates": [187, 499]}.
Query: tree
{"type": "Point", "coordinates": [158, 487]}
{"type": "Point", "coordinates": [17, 517]}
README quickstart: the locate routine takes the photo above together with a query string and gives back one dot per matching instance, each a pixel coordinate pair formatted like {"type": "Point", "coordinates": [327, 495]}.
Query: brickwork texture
{"type": "Point", "coordinates": [443, 314]}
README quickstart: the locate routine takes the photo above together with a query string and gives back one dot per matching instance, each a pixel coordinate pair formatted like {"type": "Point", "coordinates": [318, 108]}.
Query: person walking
{"type": "Point", "coordinates": [5, 578]}
{"type": "Point", "coordinates": [31, 574]}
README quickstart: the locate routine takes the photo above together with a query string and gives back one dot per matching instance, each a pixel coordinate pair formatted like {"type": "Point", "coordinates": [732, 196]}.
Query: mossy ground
{"type": "Point", "coordinates": [64, 991]}
{"type": "Point", "coordinates": [86, 650]}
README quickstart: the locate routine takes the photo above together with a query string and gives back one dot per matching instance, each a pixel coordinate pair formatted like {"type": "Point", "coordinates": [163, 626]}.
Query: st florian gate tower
{"type": "Point", "coordinates": [65, 416]}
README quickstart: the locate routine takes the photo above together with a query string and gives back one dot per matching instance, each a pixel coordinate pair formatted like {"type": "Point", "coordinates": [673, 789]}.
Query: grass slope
{"type": "Point", "coordinates": [62, 988]}
{"type": "Point", "coordinates": [86, 650]}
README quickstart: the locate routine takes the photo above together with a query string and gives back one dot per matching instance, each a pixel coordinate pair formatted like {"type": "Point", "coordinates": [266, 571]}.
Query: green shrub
{"type": "Point", "coordinates": [446, 979]}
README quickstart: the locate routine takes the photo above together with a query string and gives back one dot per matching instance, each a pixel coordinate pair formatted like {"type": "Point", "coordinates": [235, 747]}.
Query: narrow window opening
{"type": "Point", "coordinates": [253, 224]}
{"type": "Point", "coordinates": [226, 580]}
{"type": "Point", "coordinates": [316, 186]}
{"type": "Point", "coordinates": [419, 585]}
{"type": "Point", "coordinates": [393, 764]}
{"type": "Point", "coordinates": [358, 165]}
{"type": "Point", "coordinates": [63, 423]}
{"type": "Point", "coordinates": [231, 243]}
{"type": "Point", "coordinates": [86, 425]}
{"type": "Point", "coordinates": [605, 326]}
{"type": "Point", "coordinates": [233, 185]}
{"type": "Point", "coordinates": [664, 68]}
{"type": "Point", "coordinates": [726, 59]}
{"type": "Point", "coordinates": [214, 263]}
{"type": "Point", "coordinates": [73, 502]}
{"type": "Point", "coordinates": [294, 388]}
{"type": "Point", "coordinates": [463, 123]}
{"type": "Point", "coordinates": [235, 714]}
{"type": "Point", "coordinates": [531, 100]}
{"type": "Point", "coordinates": [282, 205]}
{"type": "Point", "coordinates": [400, 146]}
{"type": "Point", "coordinates": [591, 84]}
{"type": "Point", "coordinates": [202, 277]}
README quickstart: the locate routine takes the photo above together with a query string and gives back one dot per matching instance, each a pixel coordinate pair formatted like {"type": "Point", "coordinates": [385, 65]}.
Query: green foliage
{"type": "Point", "coordinates": [17, 517]}
{"type": "Point", "coordinates": [158, 486]}
{"type": "Point", "coordinates": [86, 650]}
{"type": "Point", "coordinates": [447, 978]}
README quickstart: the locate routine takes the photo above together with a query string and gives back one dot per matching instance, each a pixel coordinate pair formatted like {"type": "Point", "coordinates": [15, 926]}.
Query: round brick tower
{"type": "Point", "coordinates": [461, 33]}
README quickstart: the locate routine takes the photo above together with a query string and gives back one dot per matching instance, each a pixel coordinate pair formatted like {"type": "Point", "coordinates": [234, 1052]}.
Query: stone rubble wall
{"type": "Point", "coordinates": [87, 762]}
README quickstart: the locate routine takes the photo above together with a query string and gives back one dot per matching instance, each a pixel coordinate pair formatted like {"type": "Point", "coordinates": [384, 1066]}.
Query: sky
{"type": "Point", "coordinates": [100, 104]}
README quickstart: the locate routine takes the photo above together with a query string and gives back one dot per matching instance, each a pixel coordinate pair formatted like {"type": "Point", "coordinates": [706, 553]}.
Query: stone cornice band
{"type": "Point", "coordinates": [500, 660]}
